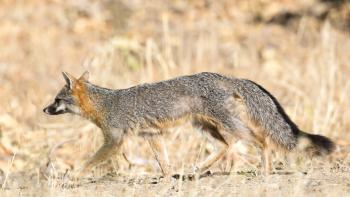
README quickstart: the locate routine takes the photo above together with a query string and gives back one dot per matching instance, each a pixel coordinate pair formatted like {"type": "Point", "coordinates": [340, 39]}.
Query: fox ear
{"type": "Point", "coordinates": [85, 76]}
{"type": "Point", "coordinates": [69, 79]}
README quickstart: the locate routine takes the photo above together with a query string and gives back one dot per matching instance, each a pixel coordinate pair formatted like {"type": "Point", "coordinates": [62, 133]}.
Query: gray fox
{"type": "Point", "coordinates": [226, 108]}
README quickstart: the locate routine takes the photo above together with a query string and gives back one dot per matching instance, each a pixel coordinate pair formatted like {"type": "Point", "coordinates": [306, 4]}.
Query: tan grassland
{"type": "Point", "coordinates": [303, 60]}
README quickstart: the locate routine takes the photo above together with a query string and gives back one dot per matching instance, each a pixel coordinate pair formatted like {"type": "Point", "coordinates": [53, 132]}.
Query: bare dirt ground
{"type": "Point", "coordinates": [325, 179]}
{"type": "Point", "coordinates": [298, 50]}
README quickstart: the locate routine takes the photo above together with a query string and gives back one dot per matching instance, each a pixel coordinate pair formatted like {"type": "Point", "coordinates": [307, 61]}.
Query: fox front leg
{"type": "Point", "coordinates": [112, 142]}
{"type": "Point", "coordinates": [160, 153]}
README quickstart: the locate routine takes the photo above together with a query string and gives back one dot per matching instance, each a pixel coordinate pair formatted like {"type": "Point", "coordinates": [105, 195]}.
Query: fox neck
{"type": "Point", "coordinates": [89, 98]}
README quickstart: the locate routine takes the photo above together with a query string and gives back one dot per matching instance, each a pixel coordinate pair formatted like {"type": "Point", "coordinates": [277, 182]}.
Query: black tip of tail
{"type": "Point", "coordinates": [323, 144]}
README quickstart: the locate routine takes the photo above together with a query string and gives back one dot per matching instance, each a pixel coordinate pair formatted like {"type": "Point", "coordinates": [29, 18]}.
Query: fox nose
{"type": "Point", "coordinates": [46, 110]}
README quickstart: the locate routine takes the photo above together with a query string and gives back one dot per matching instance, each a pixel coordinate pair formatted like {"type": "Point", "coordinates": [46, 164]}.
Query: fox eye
{"type": "Point", "coordinates": [60, 99]}
{"type": "Point", "coordinates": [57, 100]}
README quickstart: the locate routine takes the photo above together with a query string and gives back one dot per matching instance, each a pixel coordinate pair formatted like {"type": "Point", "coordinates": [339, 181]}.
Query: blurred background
{"type": "Point", "coordinates": [297, 49]}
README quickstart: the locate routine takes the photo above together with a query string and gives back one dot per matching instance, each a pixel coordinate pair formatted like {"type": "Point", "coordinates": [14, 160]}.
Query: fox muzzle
{"type": "Point", "coordinates": [55, 109]}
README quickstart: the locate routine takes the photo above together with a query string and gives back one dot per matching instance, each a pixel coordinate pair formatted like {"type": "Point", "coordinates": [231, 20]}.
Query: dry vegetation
{"type": "Point", "coordinates": [299, 50]}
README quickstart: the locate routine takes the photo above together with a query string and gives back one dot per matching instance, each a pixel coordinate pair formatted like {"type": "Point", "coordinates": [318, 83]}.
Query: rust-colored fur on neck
{"type": "Point", "coordinates": [88, 110]}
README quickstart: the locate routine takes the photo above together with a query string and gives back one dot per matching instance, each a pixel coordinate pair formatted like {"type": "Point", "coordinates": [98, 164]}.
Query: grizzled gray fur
{"type": "Point", "coordinates": [223, 106]}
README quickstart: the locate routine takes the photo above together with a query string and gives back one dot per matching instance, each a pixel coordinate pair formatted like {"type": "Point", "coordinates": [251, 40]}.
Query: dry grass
{"type": "Point", "coordinates": [124, 43]}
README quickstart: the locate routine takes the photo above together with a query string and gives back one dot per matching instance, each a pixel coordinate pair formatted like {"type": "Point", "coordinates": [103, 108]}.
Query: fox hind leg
{"type": "Point", "coordinates": [266, 160]}
{"type": "Point", "coordinates": [215, 156]}
{"type": "Point", "coordinates": [219, 142]}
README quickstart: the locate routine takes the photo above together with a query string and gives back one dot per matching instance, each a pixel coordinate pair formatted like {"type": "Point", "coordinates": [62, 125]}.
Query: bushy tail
{"type": "Point", "coordinates": [263, 109]}
{"type": "Point", "coordinates": [317, 145]}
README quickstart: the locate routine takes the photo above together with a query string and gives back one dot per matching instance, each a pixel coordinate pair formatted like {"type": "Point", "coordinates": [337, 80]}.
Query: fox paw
{"type": "Point", "coordinates": [196, 170]}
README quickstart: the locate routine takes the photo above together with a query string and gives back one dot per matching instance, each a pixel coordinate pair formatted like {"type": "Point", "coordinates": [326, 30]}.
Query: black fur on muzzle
{"type": "Point", "coordinates": [52, 109]}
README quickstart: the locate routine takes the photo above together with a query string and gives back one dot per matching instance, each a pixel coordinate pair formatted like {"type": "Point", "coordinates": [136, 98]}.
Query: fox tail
{"type": "Point", "coordinates": [264, 110]}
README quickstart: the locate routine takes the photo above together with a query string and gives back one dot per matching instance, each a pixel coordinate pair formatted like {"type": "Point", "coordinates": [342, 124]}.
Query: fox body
{"type": "Point", "coordinates": [227, 108]}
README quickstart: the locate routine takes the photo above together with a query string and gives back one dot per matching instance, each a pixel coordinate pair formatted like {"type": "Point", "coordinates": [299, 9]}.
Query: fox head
{"type": "Point", "coordinates": [67, 101]}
